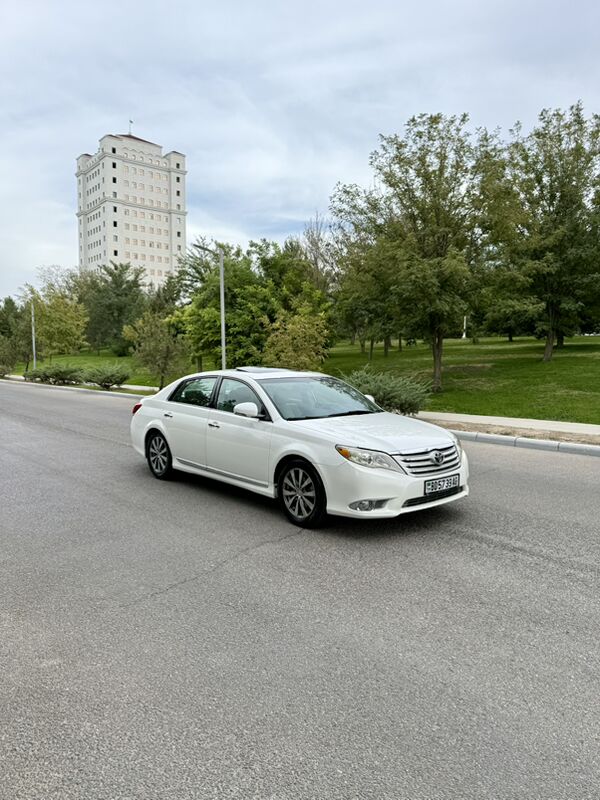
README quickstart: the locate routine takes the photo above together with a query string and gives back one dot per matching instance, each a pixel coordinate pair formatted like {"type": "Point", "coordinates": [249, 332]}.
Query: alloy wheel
{"type": "Point", "coordinates": [158, 455]}
{"type": "Point", "coordinates": [299, 493]}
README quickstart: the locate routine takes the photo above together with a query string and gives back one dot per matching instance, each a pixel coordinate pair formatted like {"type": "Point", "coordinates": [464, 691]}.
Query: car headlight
{"type": "Point", "coordinates": [458, 446]}
{"type": "Point", "coordinates": [368, 458]}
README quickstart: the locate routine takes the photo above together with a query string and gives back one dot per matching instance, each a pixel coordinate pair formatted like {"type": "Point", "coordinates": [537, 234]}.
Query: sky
{"type": "Point", "coordinates": [272, 102]}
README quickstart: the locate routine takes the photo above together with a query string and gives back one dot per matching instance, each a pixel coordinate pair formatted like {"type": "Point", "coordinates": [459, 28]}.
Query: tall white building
{"type": "Point", "coordinates": [131, 206]}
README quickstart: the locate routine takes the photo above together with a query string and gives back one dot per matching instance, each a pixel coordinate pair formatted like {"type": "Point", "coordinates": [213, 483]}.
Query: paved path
{"type": "Point", "coordinates": [514, 422]}
{"type": "Point", "coordinates": [180, 640]}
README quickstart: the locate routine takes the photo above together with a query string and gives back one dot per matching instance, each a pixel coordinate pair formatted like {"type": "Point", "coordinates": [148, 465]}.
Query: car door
{"type": "Point", "coordinates": [237, 446]}
{"type": "Point", "coordinates": [185, 416]}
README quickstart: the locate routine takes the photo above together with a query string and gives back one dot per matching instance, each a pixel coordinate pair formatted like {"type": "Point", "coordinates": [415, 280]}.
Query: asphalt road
{"type": "Point", "coordinates": [181, 640]}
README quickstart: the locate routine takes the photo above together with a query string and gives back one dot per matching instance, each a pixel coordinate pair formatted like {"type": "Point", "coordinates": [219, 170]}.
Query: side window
{"type": "Point", "coordinates": [232, 392]}
{"type": "Point", "coordinates": [196, 392]}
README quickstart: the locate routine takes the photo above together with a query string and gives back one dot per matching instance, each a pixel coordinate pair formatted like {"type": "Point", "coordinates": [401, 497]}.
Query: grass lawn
{"type": "Point", "coordinates": [494, 377]}
{"type": "Point", "coordinates": [497, 377]}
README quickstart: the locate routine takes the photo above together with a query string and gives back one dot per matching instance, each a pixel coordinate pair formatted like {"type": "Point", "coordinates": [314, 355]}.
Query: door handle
{"type": "Point", "coordinates": [213, 425]}
{"type": "Point", "coordinates": [167, 414]}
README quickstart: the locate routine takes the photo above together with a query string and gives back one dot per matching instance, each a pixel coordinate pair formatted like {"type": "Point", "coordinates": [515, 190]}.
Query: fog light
{"type": "Point", "coordinates": [367, 505]}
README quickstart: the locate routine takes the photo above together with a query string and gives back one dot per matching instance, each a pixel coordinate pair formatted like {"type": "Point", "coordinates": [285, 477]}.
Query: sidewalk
{"type": "Point", "coordinates": [538, 434]}
{"type": "Point", "coordinates": [533, 425]}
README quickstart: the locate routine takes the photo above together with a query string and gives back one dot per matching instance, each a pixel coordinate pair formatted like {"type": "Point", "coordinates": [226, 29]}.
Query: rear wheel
{"type": "Point", "coordinates": [158, 456]}
{"type": "Point", "coordinates": [301, 494]}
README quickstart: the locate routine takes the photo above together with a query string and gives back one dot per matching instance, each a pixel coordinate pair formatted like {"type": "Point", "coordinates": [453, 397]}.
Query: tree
{"type": "Point", "coordinates": [157, 345]}
{"type": "Point", "coordinates": [551, 213]}
{"type": "Point", "coordinates": [8, 356]}
{"type": "Point", "coordinates": [60, 324]}
{"type": "Point", "coordinates": [423, 217]}
{"type": "Point", "coordinates": [114, 297]}
{"type": "Point", "coordinates": [297, 341]}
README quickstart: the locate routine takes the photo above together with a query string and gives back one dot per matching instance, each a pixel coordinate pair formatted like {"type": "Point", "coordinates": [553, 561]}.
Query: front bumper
{"type": "Point", "coordinates": [348, 483]}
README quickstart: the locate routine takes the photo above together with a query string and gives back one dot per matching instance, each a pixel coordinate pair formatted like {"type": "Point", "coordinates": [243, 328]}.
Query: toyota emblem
{"type": "Point", "coordinates": [437, 457]}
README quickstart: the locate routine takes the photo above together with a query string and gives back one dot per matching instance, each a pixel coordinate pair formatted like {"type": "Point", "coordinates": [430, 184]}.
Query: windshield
{"type": "Point", "coordinates": [315, 398]}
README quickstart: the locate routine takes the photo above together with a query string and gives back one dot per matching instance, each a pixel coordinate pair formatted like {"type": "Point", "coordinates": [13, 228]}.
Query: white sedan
{"type": "Point", "coordinates": [312, 441]}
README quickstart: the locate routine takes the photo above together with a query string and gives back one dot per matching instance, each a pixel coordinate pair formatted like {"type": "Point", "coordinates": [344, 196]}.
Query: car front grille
{"type": "Point", "coordinates": [425, 462]}
{"type": "Point", "coordinates": [431, 498]}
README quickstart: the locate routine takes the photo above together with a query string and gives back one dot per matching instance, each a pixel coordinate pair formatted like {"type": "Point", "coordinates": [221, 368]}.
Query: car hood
{"type": "Point", "coordinates": [390, 433]}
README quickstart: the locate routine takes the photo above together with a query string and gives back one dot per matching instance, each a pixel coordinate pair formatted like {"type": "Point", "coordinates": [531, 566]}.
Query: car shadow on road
{"type": "Point", "coordinates": [420, 522]}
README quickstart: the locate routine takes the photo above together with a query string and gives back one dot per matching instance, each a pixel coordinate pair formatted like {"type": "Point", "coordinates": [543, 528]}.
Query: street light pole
{"type": "Point", "coordinates": [222, 301]}
{"type": "Point", "coordinates": [33, 334]}
{"type": "Point", "coordinates": [219, 252]}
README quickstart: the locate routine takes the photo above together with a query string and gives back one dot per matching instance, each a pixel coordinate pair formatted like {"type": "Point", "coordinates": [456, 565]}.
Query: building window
{"type": "Point", "coordinates": [178, 179]}
{"type": "Point", "coordinates": [115, 238]}
{"type": "Point", "coordinates": [115, 252]}
{"type": "Point", "coordinates": [126, 226]}
{"type": "Point", "coordinates": [178, 207]}
{"type": "Point", "coordinates": [114, 178]}
{"type": "Point", "coordinates": [114, 149]}
{"type": "Point", "coordinates": [115, 209]}
{"type": "Point", "coordinates": [114, 223]}
{"type": "Point", "coordinates": [177, 165]}
{"type": "Point", "coordinates": [178, 193]}
{"type": "Point", "coordinates": [179, 247]}
{"type": "Point", "coordinates": [178, 233]}
{"type": "Point", "coordinates": [114, 163]}
{"type": "Point", "coordinates": [114, 194]}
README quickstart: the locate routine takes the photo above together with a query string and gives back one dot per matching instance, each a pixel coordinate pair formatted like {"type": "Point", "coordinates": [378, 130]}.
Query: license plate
{"type": "Point", "coordinates": [441, 484]}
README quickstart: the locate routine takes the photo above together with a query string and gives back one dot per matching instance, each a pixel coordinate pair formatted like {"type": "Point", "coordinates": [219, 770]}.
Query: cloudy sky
{"type": "Point", "coordinates": [273, 102]}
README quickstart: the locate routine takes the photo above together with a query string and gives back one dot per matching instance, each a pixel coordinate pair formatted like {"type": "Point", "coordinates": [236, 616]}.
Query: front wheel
{"type": "Point", "coordinates": [159, 457]}
{"type": "Point", "coordinates": [301, 494]}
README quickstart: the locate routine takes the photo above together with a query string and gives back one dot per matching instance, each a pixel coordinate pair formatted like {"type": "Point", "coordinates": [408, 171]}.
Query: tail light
{"type": "Point", "coordinates": [136, 408]}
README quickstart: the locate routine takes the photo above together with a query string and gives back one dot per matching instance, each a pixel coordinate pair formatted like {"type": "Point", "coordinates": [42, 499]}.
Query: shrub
{"type": "Point", "coordinates": [107, 376]}
{"type": "Point", "coordinates": [55, 374]}
{"type": "Point", "coordinates": [392, 392]}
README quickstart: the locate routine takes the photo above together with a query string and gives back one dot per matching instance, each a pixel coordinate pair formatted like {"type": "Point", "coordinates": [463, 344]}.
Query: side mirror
{"type": "Point", "coordinates": [246, 410]}
{"type": "Point", "coordinates": [370, 397]}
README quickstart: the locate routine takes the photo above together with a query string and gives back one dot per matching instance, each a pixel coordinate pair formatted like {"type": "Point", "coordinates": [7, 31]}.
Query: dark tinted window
{"type": "Point", "coordinates": [196, 392]}
{"type": "Point", "coordinates": [232, 392]}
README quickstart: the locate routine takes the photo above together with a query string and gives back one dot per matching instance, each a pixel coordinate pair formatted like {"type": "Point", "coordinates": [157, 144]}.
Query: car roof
{"type": "Point", "coordinates": [255, 373]}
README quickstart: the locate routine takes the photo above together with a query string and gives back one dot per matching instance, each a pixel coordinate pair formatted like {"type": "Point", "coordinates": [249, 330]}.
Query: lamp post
{"type": "Point", "coordinates": [219, 252]}
{"type": "Point", "coordinates": [33, 335]}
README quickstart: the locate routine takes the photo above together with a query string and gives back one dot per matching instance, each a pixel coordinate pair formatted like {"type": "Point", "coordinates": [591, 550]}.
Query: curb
{"type": "Point", "coordinates": [532, 444]}
{"type": "Point", "coordinates": [100, 392]}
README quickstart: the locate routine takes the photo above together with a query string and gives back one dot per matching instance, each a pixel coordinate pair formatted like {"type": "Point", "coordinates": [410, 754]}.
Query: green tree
{"type": "Point", "coordinates": [424, 218]}
{"type": "Point", "coordinates": [158, 346]}
{"type": "Point", "coordinates": [114, 297]}
{"type": "Point", "coordinates": [550, 214]}
{"type": "Point", "coordinates": [60, 324]}
{"type": "Point", "coordinates": [8, 355]}
{"type": "Point", "coordinates": [298, 340]}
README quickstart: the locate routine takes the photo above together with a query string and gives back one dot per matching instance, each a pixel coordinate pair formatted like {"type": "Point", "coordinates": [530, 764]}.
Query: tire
{"type": "Point", "coordinates": [159, 456]}
{"type": "Point", "coordinates": [301, 494]}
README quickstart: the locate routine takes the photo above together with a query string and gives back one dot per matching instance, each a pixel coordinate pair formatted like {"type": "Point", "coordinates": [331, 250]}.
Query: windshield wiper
{"type": "Point", "coordinates": [351, 413]}
{"type": "Point", "coordinates": [293, 419]}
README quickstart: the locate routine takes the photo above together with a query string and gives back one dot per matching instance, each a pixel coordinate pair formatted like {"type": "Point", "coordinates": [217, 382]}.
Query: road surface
{"type": "Point", "coordinates": [181, 640]}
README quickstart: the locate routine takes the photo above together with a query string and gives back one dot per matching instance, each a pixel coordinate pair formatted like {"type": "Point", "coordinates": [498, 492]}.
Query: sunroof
{"type": "Point", "coordinates": [261, 369]}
